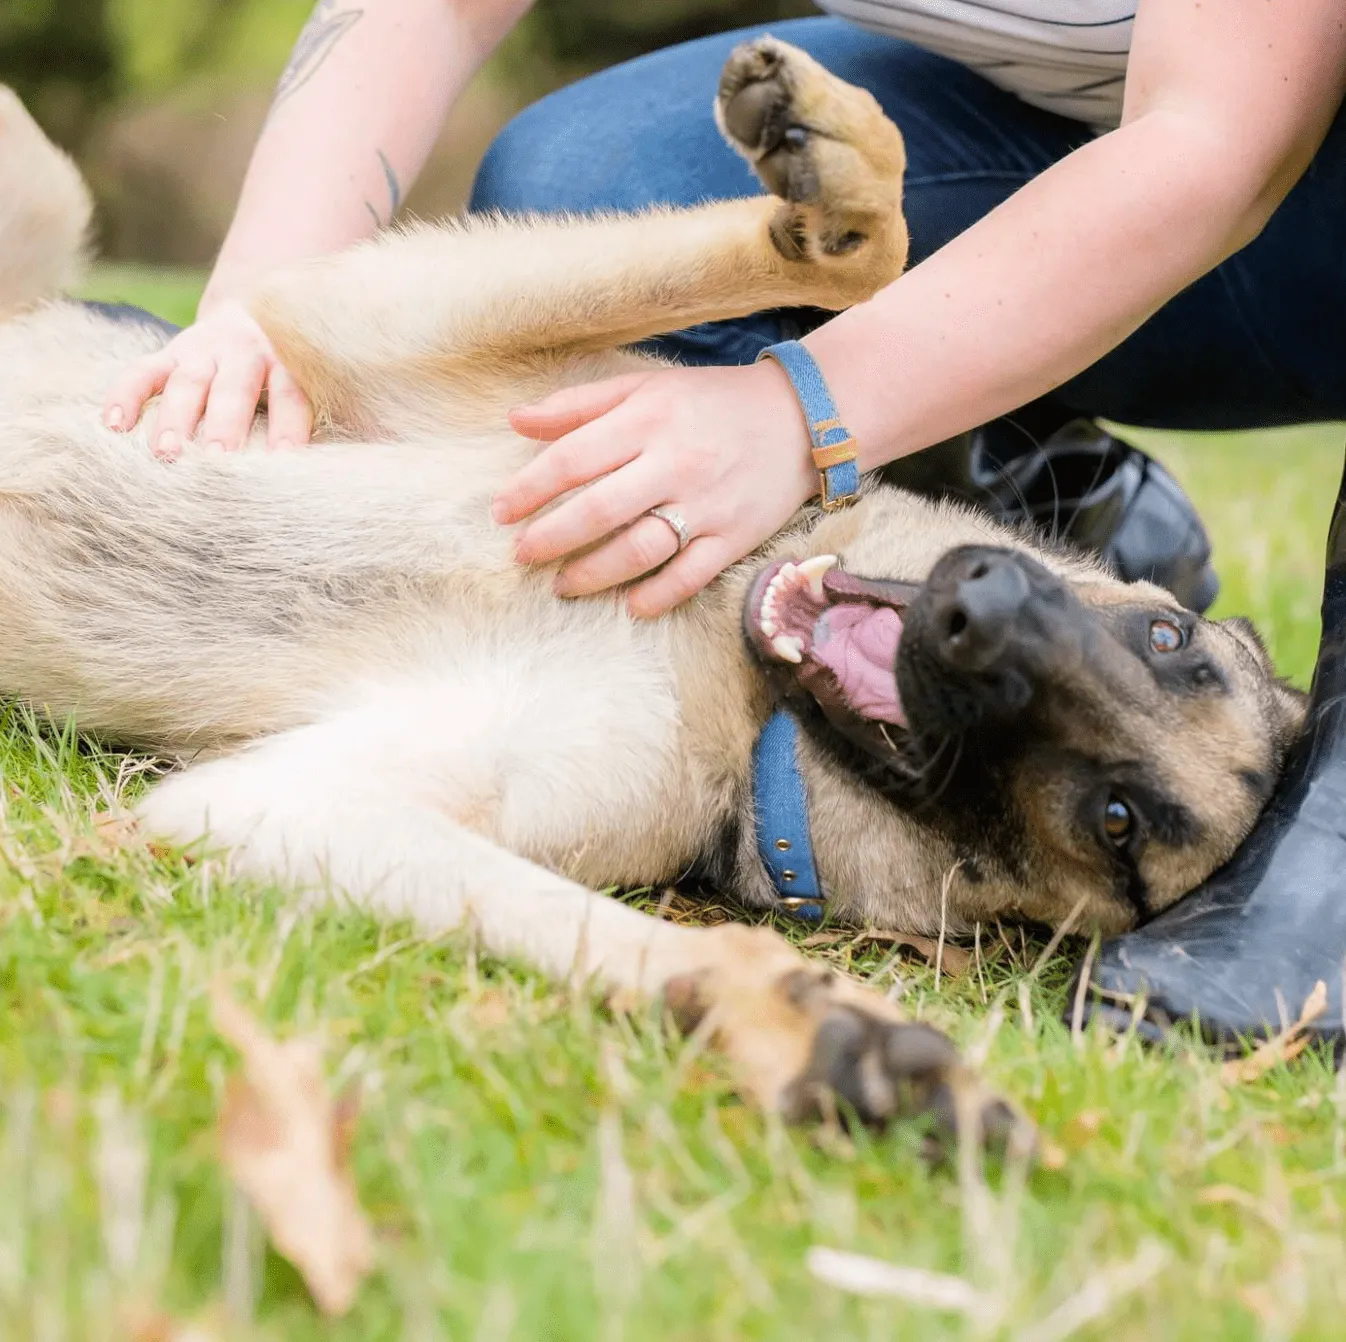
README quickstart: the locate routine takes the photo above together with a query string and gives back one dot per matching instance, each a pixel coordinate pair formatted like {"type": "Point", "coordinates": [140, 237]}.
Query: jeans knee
{"type": "Point", "coordinates": [510, 168]}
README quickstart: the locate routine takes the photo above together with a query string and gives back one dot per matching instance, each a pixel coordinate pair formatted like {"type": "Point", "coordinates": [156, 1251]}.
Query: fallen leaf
{"type": "Point", "coordinates": [1282, 1047]}
{"type": "Point", "coordinates": [286, 1143]}
{"type": "Point", "coordinates": [954, 960]}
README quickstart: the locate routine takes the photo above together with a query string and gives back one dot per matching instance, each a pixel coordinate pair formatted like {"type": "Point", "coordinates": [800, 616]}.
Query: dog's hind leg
{"type": "Point", "coordinates": [314, 808]}
{"type": "Point", "coordinates": [436, 314]}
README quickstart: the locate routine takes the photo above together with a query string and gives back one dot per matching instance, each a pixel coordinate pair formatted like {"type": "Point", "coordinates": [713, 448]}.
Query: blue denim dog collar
{"type": "Point", "coordinates": [833, 446]}
{"type": "Point", "coordinates": [781, 815]}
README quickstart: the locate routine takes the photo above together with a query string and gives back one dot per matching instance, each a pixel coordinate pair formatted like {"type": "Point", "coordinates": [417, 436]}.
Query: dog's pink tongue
{"type": "Point", "coordinates": [858, 644]}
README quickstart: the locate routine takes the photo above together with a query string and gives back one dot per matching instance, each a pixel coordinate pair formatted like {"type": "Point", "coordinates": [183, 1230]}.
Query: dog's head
{"type": "Point", "coordinates": [1055, 734]}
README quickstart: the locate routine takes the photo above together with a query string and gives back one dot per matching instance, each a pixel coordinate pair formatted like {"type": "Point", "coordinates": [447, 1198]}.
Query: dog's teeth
{"type": "Point", "coordinates": [769, 626]}
{"type": "Point", "coordinates": [788, 648]}
{"type": "Point", "coordinates": [813, 569]}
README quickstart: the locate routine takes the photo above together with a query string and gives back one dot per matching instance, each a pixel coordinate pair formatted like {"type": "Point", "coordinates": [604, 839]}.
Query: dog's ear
{"type": "Point", "coordinates": [1245, 631]}
{"type": "Point", "coordinates": [1289, 703]}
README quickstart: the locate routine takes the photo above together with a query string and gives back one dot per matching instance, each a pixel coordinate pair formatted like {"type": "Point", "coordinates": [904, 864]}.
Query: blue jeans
{"type": "Point", "coordinates": [1260, 341]}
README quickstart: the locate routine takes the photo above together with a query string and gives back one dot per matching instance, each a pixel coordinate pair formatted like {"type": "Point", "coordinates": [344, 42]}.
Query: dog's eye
{"type": "Point", "coordinates": [1165, 636]}
{"type": "Point", "coordinates": [1118, 822]}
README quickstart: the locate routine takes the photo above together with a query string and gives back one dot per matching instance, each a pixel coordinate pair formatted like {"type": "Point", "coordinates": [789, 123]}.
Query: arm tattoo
{"type": "Point", "coordinates": [394, 192]}
{"type": "Point", "coordinates": [326, 26]}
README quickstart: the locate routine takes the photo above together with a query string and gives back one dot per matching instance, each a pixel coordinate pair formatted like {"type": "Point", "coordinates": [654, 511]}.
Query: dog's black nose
{"type": "Point", "coordinates": [978, 606]}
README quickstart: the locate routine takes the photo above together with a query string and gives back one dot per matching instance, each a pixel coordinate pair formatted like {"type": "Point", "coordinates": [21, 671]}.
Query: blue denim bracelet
{"type": "Point", "coordinates": [833, 447]}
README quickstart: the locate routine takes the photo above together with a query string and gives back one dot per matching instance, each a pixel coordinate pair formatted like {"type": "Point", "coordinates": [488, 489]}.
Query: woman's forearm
{"type": "Point", "coordinates": [1033, 293]}
{"type": "Point", "coordinates": [1222, 115]}
{"type": "Point", "coordinates": [356, 113]}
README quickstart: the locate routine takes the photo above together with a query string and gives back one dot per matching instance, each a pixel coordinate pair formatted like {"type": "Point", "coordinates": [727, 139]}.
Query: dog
{"type": "Point", "coordinates": [377, 704]}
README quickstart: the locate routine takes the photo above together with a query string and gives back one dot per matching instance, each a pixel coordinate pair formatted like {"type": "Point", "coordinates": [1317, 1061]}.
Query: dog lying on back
{"type": "Point", "coordinates": [383, 707]}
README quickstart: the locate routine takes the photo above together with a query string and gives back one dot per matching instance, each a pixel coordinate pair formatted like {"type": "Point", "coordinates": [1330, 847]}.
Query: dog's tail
{"type": "Point", "coordinates": [44, 212]}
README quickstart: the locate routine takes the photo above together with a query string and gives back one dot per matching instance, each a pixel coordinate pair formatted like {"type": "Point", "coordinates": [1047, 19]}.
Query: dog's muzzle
{"type": "Point", "coordinates": [833, 634]}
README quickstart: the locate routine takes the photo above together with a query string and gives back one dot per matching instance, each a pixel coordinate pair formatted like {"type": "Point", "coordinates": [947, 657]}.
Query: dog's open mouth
{"type": "Point", "coordinates": [838, 633]}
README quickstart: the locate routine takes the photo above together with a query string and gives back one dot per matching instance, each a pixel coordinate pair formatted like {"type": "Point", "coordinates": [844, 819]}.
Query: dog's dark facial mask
{"type": "Point", "coordinates": [1075, 736]}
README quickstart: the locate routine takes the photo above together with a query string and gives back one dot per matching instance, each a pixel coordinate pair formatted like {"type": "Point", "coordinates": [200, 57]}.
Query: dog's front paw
{"type": "Point", "coordinates": [757, 113]}
{"type": "Point", "coordinates": [807, 1042]}
{"type": "Point", "coordinates": [824, 147]}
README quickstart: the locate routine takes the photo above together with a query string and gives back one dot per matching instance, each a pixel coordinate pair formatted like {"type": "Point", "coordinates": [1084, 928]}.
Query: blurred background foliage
{"type": "Point", "coordinates": [160, 100]}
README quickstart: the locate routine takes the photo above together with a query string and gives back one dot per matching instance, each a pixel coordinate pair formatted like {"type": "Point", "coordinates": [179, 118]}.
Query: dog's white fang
{"type": "Point", "coordinates": [788, 648]}
{"type": "Point", "coordinates": [813, 569]}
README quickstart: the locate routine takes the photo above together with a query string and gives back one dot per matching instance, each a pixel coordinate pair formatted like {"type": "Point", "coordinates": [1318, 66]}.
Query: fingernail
{"type": "Point", "coordinates": [284, 445]}
{"type": "Point", "coordinates": [113, 418]}
{"type": "Point", "coordinates": [215, 445]}
{"type": "Point", "coordinates": [498, 512]}
{"type": "Point", "coordinates": [167, 446]}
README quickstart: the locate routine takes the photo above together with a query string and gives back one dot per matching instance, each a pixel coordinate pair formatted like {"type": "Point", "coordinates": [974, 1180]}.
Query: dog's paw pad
{"type": "Point", "coordinates": [882, 1070]}
{"type": "Point", "coordinates": [757, 98]}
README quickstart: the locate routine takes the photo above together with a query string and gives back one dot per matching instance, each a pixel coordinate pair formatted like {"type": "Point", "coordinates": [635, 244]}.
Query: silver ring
{"type": "Point", "coordinates": [677, 521]}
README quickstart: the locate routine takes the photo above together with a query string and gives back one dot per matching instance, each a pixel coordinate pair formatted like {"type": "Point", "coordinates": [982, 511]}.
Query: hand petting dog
{"type": "Point", "coordinates": [724, 449]}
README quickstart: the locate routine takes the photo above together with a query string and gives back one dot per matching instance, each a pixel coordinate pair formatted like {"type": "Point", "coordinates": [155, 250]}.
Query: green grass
{"type": "Point", "coordinates": [502, 1212]}
{"type": "Point", "coordinates": [170, 293]}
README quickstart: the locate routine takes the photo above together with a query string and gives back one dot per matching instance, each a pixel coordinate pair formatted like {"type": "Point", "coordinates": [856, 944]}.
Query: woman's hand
{"type": "Point", "coordinates": [211, 376]}
{"type": "Point", "coordinates": [724, 448]}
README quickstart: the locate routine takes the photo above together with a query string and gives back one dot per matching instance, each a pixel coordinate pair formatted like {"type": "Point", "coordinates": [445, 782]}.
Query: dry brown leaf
{"type": "Point", "coordinates": [1282, 1047]}
{"type": "Point", "coordinates": [287, 1143]}
{"type": "Point", "coordinates": [954, 961]}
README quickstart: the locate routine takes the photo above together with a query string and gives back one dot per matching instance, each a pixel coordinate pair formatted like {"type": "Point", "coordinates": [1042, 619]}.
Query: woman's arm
{"type": "Point", "coordinates": [355, 115]}
{"type": "Point", "coordinates": [1226, 104]}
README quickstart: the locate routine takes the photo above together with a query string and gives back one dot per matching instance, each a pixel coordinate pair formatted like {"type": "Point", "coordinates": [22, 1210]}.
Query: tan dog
{"type": "Point", "coordinates": [386, 708]}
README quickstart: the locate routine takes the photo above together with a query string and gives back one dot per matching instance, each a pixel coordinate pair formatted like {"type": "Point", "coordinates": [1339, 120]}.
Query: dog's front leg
{"type": "Point", "coordinates": [316, 809]}
{"type": "Point", "coordinates": [422, 328]}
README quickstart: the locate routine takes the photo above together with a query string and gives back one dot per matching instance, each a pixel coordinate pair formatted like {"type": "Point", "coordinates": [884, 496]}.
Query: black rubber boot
{"type": "Point", "coordinates": [1077, 483]}
{"type": "Point", "coordinates": [1244, 951]}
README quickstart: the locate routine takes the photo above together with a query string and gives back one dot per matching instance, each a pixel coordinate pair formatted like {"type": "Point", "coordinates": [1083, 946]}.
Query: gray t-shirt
{"type": "Point", "coordinates": [1068, 56]}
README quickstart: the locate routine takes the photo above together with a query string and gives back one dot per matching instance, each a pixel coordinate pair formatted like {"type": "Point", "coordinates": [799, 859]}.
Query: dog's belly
{"type": "Point", "coordinates": [558, 738]}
